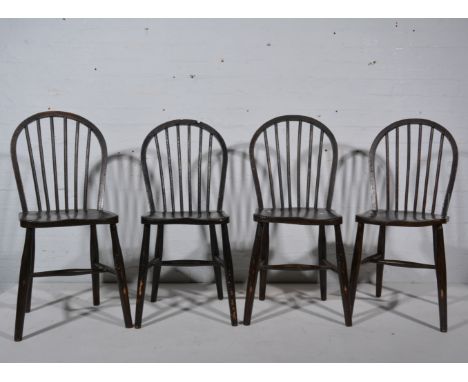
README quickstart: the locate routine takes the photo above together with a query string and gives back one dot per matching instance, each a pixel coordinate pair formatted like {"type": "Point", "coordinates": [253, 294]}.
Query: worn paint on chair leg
{"type": "Point", "coordinates": [158, 253]}
{"type": "Point", "coordinates": [229, 272]}
{"type": "Point", "coordinates": [142, 274]}
{"type": "Point", "coordinates": [441, 274]}
{"type": "Point", "coordinates": [264, 261]}
{"type": "Point", "coordinates": [94, 257]}
{"type": "Point", "coordinates": [215, 257]}
{"type": "Point", "coordinates": [121, 278]}
{"type": "Point", "coordinates": [253, 272]}
{"type": "Point", "coordinates": [23, 285]}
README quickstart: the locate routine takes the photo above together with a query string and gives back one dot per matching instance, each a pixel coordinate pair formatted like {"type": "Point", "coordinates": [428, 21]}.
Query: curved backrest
{"type": "Point", "coordinates": [180, 146]}
{"type": "Point", "coordinates": [41, 134]}
{"type": "Point", "coordinates": [311, 145]}
{"type": "Point", "coordinates": [414, 148]}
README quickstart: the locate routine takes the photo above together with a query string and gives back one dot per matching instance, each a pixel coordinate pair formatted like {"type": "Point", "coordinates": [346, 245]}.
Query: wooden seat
{"type": "Point", "coordinates": [309, 216]}
{"type": "Point", "coordinates": [291, 183]}
{"type": "Point", "coordinates": [64, 218]}
{"type": "Point", "coordinates": [184, 198]}
{"type": "Point", "coordinates": [412, 178]}
{"type": "Point", "coordinates": [400, 218]}
{"type": "Point", "coordinates": [61, 193]}
{"type": "Point", "coordinates": [185, 217]}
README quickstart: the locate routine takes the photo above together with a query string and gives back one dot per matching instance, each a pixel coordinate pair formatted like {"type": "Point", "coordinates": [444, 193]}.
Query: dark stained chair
{"type": "Point", "coordinates": [179, 196]}
{"type": "Point", "coordinates": [410, 199]}
{"type": "Point", "coordinates": [293, 192]}
{"type": "Point", "coordinates": [54, 208]}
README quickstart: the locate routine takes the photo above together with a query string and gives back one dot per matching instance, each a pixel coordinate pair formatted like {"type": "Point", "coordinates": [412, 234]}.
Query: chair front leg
{"type": "Point", "coordinates": [158, 253]}
{"type": "Point", "coordinates": [229, 273]}
{"type": "Point", "coordinates": [142, 273]}
{"type": "Point", "coordinates": [215, 257]}
{"type": "Point", "coordinates": [23, 284]}
{"type": "Point", "coordinates": [264, 260]}
{"type": "Point", "coordinates": [33, 256]}
{"type": "Point", "coordinates": [253, 272]}
{"type": "Point", "coordinates": [441, 274]}
{"type": "Point", "coordinates": [380, 267]}
{"type": "Point", "coordinates": [343, 275]}
{"type": "Point", "coordinates": [356, 264]}
{"type": "Point", "coordinates": [94, 258]}
{"type": "Point", "coordinates": [322, 249]}
{"type": "Point", "coordinates": [121, 278]}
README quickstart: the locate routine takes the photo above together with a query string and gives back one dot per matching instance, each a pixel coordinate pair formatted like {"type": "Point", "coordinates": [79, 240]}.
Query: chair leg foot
{"type": "Point", "coordinates": [121, 278]}
{"type": "Point", "coordinates": [142, 274]}
{"type": "Point", "coordinates": [253, 272]}
{"type": "Point", "coordinates": [229, 272]}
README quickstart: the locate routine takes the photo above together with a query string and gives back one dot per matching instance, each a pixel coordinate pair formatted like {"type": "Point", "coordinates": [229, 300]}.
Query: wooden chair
{"type": "Point", "coordinates": [56, 210]}
{"type": "Point", "coordinates": [407, 199]}
{"type": "Point", "coordinates": [182, 203]}
{"type": "Point", "coordinates": [300, 207]}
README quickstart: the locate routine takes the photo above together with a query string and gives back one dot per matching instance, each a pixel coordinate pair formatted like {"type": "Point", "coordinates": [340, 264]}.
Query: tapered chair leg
{"type": "Point", "coordinates": [94, 257]}
{"type": "Point", "coordinates": [322, 249]}
{"type": "Point", "coordinates": [23, 285]}
{"type": "Point", "coordinates": [216, 266]}
{"type": "Point", "coordinates": [229, 272]}
{"type": "Point", "coordinates": [121, 278]}
{"type": "Point", "coordinates": [380, 267]}
{"type": "Point", "coordinates": [253, 272]}
{"type": "Point", "coordinates": [33, 256]}
{"type": "Point", "coordinates": [157, 267]}
{"type": "Point", "coordinates": [441, 274]}
{"type": "Point", "coordinates": [142, 273]}
{"type": "Point", "coordinates": [264, 260]}
{"type": "Point", "coordinates": [343, 275]}
{"type": "Point", "coordinates": [356, 264]}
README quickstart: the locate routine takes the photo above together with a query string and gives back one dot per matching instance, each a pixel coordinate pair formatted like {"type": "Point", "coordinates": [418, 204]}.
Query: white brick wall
{"type": "Point", "coordinates": [127, 76]}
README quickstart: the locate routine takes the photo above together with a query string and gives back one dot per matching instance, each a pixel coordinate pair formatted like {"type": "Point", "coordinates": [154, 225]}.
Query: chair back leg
{"type": "Point", "coordinates": [158, 254]}
{"type": "Point", "coordinates": [94, 258]}
{"type": "Point", "coordinates": [264, 260]}
{"type": "Point", "coordinates": [322, 257]}
{"type": "Point", "coordinates": [31, 278]}
{"type": "Point", "coordinates": [380, 267]}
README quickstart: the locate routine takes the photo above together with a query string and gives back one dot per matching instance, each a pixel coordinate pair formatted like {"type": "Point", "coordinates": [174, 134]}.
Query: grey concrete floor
{"type": "Point", "coordinates": [189, 324]}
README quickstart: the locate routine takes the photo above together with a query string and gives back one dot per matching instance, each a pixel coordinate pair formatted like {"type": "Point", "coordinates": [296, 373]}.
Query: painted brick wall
{"type": "Point", "coordinates": [127, 76]}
